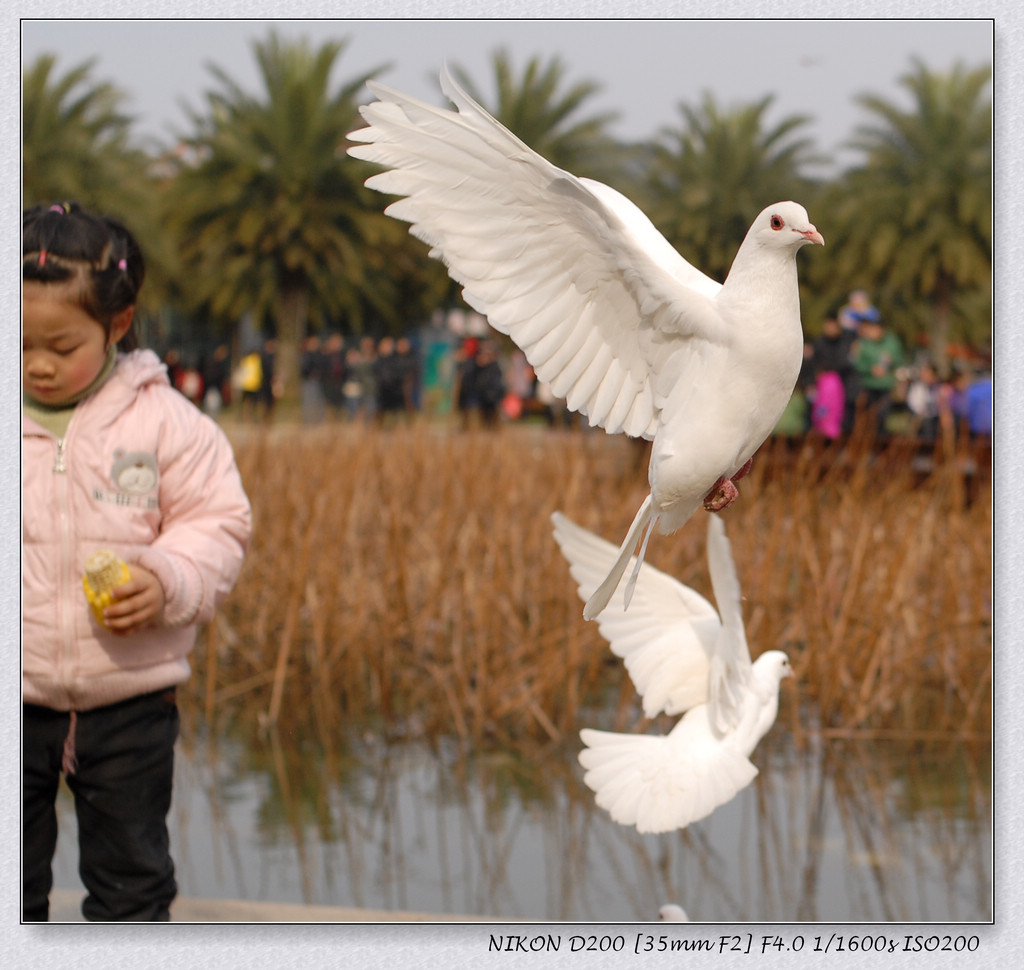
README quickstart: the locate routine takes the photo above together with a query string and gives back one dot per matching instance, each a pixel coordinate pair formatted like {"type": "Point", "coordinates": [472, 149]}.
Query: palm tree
{"type": "Point", "coordinates": [541, 111]}
{"type": "Point", "coordinates": [917, 216]}
{"type": "Point", "coordinates": [708, 178]}
{"type": "Point", "coordinates": [76, 140]}
{"type": "Point", "coordinates": [77, 146]}
{"type": "Point", "coordinates": [272, 215]}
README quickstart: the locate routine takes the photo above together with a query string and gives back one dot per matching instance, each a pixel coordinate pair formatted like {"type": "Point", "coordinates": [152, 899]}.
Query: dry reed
{"type": "Point", "coordinates": [407, 578]}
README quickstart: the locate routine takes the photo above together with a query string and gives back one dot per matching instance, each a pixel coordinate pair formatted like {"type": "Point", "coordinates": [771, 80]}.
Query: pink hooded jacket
{"type": "Point", "coordinates": [142, 472]}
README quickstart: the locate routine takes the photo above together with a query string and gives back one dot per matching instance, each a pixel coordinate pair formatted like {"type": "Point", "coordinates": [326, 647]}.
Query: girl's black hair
{"type": "Point", "coordinates": [94, 254]}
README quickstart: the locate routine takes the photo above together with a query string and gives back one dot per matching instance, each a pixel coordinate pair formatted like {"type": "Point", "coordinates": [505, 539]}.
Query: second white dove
{"type": "Point", "coordinates": [681, 656]}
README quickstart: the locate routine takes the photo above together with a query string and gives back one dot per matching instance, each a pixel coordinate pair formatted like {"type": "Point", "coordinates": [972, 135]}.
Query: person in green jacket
{"type": "Point", "coordinates": [877, 353]}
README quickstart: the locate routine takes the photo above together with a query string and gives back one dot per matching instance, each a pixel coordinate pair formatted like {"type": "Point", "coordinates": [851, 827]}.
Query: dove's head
{"type": "Point", "coordinates": [785, 225]}
{"type": "Point", "coordinates": [773, 666]}
{"type": "Point", "coordinates": [671, 913]}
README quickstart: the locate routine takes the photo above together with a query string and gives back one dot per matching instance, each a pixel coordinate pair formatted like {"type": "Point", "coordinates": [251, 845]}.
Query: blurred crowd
{"type": "Point", "coordinates": [363, 379]}
{"type": "Point", "coordinates": [857, 365]}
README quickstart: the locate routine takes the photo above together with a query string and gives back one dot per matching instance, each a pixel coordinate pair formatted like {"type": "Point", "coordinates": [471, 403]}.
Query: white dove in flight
{"type": "Point", "coordinates": [607, 312]}
{"type": "Point", "coordinates": [681, 656]}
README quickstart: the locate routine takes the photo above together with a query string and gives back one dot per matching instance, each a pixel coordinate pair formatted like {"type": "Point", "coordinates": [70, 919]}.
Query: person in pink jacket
{"type": "Point", "coordinates": [113, 458]}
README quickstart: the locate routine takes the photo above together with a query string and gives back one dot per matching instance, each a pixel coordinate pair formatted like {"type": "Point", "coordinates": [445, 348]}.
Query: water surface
{"type": "Point", "coordinates": [838, 831]}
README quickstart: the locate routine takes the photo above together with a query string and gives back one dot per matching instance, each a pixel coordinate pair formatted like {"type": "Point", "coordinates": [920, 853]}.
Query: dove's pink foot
{"type": "Point", "coordinates": [724, 492]}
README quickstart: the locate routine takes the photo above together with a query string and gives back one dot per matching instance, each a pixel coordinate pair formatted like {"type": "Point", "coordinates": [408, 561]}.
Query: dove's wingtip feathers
{"type": "Point", "coordinates": [664, 637]}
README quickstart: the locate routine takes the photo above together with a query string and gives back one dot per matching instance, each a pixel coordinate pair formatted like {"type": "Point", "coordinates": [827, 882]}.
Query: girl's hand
{"type": "Point", "coordinates": [139, 603]}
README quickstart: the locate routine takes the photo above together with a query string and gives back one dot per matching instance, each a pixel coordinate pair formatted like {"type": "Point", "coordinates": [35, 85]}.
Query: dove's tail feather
{"type": "Point", "coordinates": [644, 521]}
{"type": "Point", "coordinates": [653, 783]}
{"type": "Point", "coordinates": [631, 585]}
{"type": "Point", "coordinates": [617, 769]}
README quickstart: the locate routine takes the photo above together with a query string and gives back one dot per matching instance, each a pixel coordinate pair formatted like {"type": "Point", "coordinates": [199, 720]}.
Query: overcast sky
{"type": "Point", "coordinates": [645, 67]}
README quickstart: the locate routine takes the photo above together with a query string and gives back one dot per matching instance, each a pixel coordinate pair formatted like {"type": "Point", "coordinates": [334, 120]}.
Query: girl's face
{"type": "Point", "coordinates": [62, 348]}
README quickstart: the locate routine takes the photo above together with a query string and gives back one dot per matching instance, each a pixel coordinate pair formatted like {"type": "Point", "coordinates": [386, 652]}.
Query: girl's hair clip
{"type": "Point", "coordinates": [42, 257]}
{"type": "Point", "coordinates": [122, 264]}
{"type": "Point", "coordinates": [61, 207]}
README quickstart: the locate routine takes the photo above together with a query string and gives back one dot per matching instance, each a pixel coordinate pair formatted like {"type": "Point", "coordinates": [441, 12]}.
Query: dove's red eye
{"type": "Point", "coordinates": [777, 223]}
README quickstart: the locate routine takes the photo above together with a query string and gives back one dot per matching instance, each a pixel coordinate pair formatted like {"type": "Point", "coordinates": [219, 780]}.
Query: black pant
{"type": "Point", "coordinates": [122, 789]}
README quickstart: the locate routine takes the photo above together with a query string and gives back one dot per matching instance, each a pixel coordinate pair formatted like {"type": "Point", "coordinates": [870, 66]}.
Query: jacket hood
{"type": "Point", "coordinates": [132, 372]}
{"type": "Point", "coordinates": [138, 368]}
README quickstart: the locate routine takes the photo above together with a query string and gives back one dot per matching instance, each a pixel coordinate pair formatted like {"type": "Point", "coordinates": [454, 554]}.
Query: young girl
{"type": "Point", "coordinates": [113, 458]}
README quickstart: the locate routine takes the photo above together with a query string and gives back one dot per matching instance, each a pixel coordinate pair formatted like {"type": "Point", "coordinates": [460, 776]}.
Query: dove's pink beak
{"type": "Point", "coordinates": [813, 236]}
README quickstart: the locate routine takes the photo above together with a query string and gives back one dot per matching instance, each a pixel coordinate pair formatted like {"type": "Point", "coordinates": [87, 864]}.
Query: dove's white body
{"type": "Point", "coordinates": [606, 311]}
{"type": "Point", "coordinates": [681, 656]}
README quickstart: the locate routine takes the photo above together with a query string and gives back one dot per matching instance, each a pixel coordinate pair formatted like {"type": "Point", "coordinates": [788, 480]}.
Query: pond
{"type": "Point", "coordinates": [835, 831]}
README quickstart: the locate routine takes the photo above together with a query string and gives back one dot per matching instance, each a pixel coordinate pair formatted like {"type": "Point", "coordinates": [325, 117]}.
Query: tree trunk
{"type": "Point", "coordinates": [942, 314]}
{"type": "Point", "coordinates": [292, 311]}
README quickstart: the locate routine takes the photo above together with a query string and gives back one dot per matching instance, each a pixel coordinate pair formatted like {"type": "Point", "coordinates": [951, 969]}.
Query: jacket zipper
{"type": "Point", "coordinates": [63, 592]}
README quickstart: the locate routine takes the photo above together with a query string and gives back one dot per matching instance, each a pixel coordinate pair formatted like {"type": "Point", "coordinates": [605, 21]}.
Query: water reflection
{"type": "Point", "coordinates": [836, 831]}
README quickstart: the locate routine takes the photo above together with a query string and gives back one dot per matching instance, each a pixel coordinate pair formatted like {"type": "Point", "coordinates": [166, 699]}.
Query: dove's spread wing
{"type": "Point", "coordinates": [730, 659]}
{"type": "Point", "coordinates": [665, 636]}
{"type": "Point", "coordinates": [663, 783]}
{"type": "Point", "coordinates": [577, 276]}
